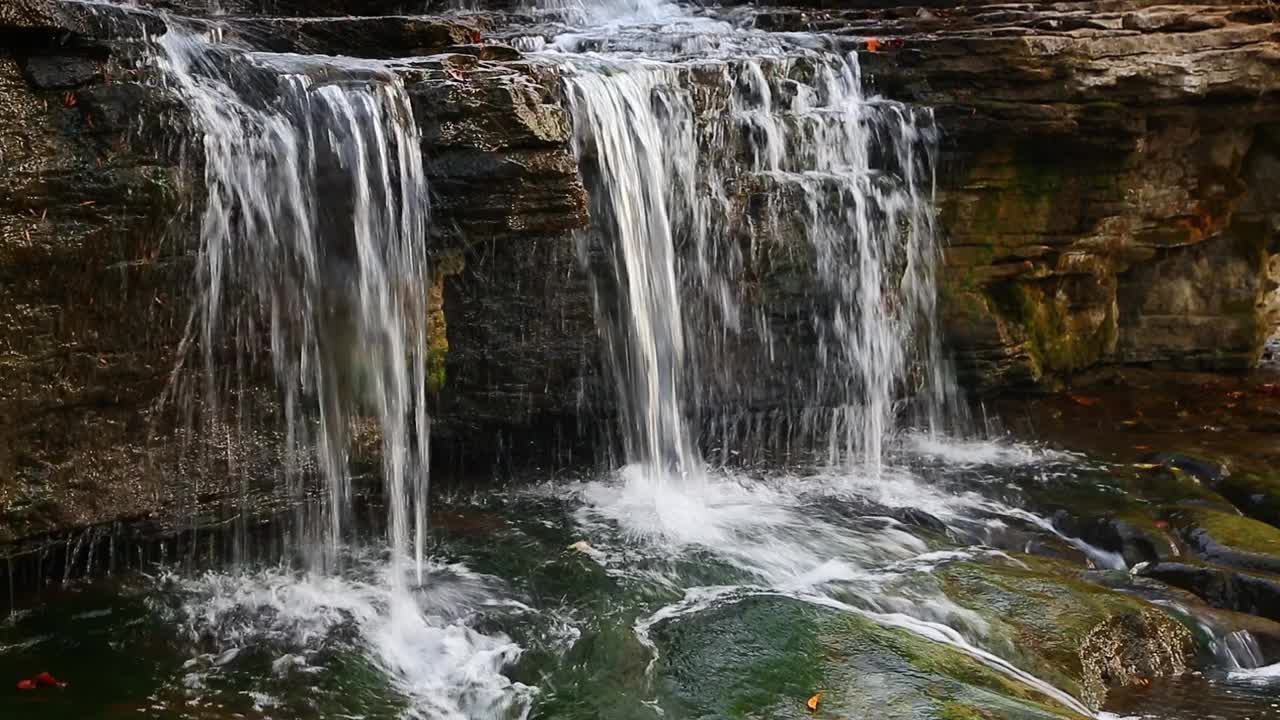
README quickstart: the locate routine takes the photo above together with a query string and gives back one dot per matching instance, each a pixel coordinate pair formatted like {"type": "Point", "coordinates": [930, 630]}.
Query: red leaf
{"type": "Point", "coordinates": [873, 45]}
{"type": "Point", "coordinates": [26, 684]}
{"type": "Point", "coordinates": [44, 679]}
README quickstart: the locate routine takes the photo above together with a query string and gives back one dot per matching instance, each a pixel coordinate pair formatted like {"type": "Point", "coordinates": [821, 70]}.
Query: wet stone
{"type": "Point", "coordinates": [1080, 635]}
{"type": "Point", "coordinates": [60, 72]}
{"type": "Point", "coordinates": [1230, 540]}
{"type": "Point", "coordinates": [1255, 494]}
{"type": "Point", "coordinates": [1247, 592]}
{"type": "Point", "coordinates": [765, 656]}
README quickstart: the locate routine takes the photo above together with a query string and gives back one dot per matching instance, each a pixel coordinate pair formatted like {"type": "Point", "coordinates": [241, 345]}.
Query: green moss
{"type": "Point", "coordinates": [1166, 485]}
{"type": "Point", "coordinates": [763, 657]}
{"type": "Point", "coordinates": [1234, 531]}
{"type": "Point", "coordinates": [1044, 616]}
{"type": "Point", "coordinates": [1052, 341]}
{"type": "Point", "coordinates": [436, 370]}
{"type": "Point", "coordinates": [437, 322]}
{"type": "Point", "coordinates": [962, 711]}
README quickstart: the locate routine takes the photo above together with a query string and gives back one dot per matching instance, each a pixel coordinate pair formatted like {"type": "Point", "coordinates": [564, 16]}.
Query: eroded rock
{"type": "Point", "coordinates": [1073, 632]}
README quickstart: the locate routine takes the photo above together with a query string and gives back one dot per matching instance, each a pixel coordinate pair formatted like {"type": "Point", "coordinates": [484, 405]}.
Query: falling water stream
{"type": "Point", "coordinates": [312, 244]}
{"type": "Point", "coordinates": [576, 596]}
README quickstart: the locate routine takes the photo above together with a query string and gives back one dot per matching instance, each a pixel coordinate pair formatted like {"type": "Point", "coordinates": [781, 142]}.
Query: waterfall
{"type": "Point", "coordinates": [312, 246]}
{"type": "Point", "coordinates": [639, 161]}
{"type": "Point", "coordinates": [848, 185]}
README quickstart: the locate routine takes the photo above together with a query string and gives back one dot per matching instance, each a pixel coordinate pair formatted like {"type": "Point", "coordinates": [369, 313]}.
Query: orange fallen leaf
{"type": "Point", "coordinates": [1084, 400]}
{"type": "Point", "coordinates": [812, 703]}
{"type": "Point", "coordinates": [1162, 524]}
{"type": "Point", "coordinates": [1141, 447]}
{"type": "Point", "coordinates": [873, 45]}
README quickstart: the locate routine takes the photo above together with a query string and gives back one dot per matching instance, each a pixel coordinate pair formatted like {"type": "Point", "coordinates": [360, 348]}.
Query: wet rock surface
{"type": "Point", "coordinates": [1105, 199]}
{"type": "Point", "coordinates": [1079, 635]}
{"type": "Point", "coordinates": [790, 651]}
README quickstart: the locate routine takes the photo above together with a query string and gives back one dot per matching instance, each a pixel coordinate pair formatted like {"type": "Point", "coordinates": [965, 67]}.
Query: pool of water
{"type": "Point", "coordinates": [632, 595]}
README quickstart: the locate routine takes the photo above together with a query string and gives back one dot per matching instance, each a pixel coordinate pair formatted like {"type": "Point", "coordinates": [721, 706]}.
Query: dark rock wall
{"type": "Point", "coordinates": [91, 304]}
{"type": "Point", "coordinates": [1104, 184]}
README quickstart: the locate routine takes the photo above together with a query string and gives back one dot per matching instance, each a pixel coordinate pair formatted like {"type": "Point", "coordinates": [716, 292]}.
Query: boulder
{"type": "Point", "coordinates": [1229, 539]}
{"type": "Point", "coordinates": [765, 656]}
{"type": "Point", "coordinates": [1247, 592]}
{"type": "Point", "coordinates": [1078, 635]}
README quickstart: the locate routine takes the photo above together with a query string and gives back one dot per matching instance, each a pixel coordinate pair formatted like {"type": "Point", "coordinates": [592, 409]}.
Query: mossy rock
{"type": "Point", "coordinates": [1120, 511]}
{"type": "Point", "coordinates": [1253, 490]}
{"type": "Point", "coordinates": [1230, 539]}
{"type": "Point", "coordinates": [1175, 485]}
{"type": "Point", "coordinates": [1255, 494]}
{"type": "Point", "coordinates": [1076, 634]}
{"type": "Point", "coordinates": [1060, 338]}
{"type": "Point", "coordinates": [763, 657]}
{"type": "Point", "coordinates": [1254, 593]}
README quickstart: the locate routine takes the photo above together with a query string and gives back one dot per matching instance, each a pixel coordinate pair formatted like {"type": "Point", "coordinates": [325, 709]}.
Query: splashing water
{"type": "Point", "coordinates": [447, 669]}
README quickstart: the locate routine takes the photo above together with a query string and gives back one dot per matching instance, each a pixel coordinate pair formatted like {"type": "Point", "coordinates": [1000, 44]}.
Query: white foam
{"type": "Point", "coordinates": [446, 669]}
{"type": "Point", "coordinates": [990, 452]}
{"type": "Point", "coordinates": [1263, 675]}
{"type": "Point", "coordinates": [810, 538]}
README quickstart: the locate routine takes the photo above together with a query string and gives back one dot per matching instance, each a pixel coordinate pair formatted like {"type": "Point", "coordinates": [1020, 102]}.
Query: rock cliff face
{"type": "Point", "coordinates": [91, 304]}
{"type": "Point", "coordinates": [1106, 188]}
{"type": "Point", "coordinates": [1109, 186]}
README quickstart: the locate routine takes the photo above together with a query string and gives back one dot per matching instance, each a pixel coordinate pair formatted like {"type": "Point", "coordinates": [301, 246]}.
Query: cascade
{"type": "Point", "coordinates": [847, 181]}
{"type": "Point", "coordinates": [312, 246]}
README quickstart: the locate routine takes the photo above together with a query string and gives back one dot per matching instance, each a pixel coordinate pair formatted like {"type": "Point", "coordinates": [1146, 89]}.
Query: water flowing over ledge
{"type": "Point", "coordinates": [702, 145]}
{"type": "Point", "coordinates": [312, 247]}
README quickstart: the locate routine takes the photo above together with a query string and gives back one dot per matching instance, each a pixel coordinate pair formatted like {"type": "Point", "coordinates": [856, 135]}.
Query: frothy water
{"type": "Point", "coordinates": [422, 641]}
{"type": "Point", "coordinates": [829, 539]}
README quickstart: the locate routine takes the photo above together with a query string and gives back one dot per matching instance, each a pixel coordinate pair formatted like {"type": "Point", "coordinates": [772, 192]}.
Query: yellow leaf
{"type": "Point", "coordinates": [1146, 466]}
{"type": "Point", "coordinates": [812, 704]}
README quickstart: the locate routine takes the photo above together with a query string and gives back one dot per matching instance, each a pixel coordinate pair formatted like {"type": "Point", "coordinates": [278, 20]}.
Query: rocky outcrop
{"type": "Point", "coordinates": [96, 261]}
{"type": "Point", "coordinates": [91, 284]}
{"type": "Point", "coordinates": [1106, 177]}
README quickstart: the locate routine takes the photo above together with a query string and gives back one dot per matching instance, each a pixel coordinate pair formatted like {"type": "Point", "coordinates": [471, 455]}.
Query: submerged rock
{"type": "Point", "coordinates": [1079, 635]}
{"type": "Point", "coordinates": [763, 657]}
